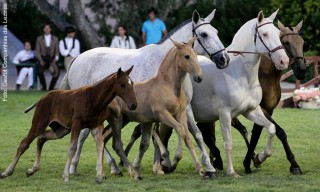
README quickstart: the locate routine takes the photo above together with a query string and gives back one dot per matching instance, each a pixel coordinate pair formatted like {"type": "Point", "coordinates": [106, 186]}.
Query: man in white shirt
{"type": "Point", "coordinates": [47, 52]}
{"type": "Point", "coordinates": [69, 46]}
{"type": "Point", "coordinates": [24, 56]}
{"type": "Point", "coordinates": [123, 41]}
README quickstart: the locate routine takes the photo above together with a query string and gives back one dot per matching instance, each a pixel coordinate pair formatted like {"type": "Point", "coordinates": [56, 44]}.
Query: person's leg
{"type": "Point", "coordinates": [22, 74]}
{"type": "Point", "coordinates": [41, 77]}
{"type": "Point", "coordinates": [30, 77]}
{"type": "Point", "coordinates": [54, 70]}
{"type": "Point", "coordinates": [67, 61]}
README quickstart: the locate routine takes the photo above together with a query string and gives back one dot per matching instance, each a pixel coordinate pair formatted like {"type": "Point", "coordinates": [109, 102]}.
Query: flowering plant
{"type": "Point", "coordinates": [306, 94]}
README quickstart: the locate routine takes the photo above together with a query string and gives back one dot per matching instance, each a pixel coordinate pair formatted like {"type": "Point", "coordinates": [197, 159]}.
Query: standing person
{"type": "Point", "coordinates": [123, 41]}
{"type": "Point", "coordinates": [24, 56]}
{"type": "Point", "coordinates": [47, 52]}
{"type": "Point", "coordinates": [153, 29]}
{"type": "Point", "coordinates": [69, 46]}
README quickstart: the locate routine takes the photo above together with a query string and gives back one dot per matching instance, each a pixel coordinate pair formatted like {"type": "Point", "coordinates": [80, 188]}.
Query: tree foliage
{"type": "Point", "coordinates": [26, 22]}
{"type": "Point", "coordinates": [292, 12]}
{"type": "Point", "coordinates": [230, 16]}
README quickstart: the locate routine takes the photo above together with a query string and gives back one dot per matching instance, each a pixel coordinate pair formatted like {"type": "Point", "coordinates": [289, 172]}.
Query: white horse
{"type": "Point", "coordinates": [227, 93]}
{"type": "Point", "coordinates": [95, 64]}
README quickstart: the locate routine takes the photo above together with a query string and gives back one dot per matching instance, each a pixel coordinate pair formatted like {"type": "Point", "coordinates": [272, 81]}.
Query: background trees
{"type": "Point", "coordinates": [26, 17]}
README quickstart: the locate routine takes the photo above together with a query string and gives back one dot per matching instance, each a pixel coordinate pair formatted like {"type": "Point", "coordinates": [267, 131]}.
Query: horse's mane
{"type": "Point", "coordinates": [105, 78]}
{"type": "Point", "coordinates": [174, 30]}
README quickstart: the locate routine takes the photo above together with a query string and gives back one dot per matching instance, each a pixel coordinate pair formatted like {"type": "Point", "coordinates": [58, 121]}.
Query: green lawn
{"type": "Point", "coordinates": [302, 126]}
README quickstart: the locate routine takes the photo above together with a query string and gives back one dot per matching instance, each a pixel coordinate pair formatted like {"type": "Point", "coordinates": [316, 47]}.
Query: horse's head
{"type": "Point", "coordinates": [208, 42]}
{"type": "Point", "coordinates": [267, 39]}
{"type": "Point", "coordinates": [124, 88]}
{"type": "Point", "coordinates": [187, 59]}
{"type": "Point", "coordinates": [293, 44]}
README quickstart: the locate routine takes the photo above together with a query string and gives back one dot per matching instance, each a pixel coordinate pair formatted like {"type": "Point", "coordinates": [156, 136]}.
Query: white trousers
{"type": "Point", "coordinates": [22, 75]}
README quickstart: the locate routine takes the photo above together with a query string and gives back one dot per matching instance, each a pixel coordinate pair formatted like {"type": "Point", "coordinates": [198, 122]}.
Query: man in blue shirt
{"type": "Point", "coordinates": [153, 29]}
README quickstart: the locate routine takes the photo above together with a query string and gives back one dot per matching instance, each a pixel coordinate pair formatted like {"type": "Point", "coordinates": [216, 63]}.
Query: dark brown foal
{"type": "Point", "coordinates": [68, 111]}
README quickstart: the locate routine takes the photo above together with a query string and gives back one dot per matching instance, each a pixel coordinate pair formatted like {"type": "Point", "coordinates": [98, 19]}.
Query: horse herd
{"type": "Point", "coordinates": [187, 81]}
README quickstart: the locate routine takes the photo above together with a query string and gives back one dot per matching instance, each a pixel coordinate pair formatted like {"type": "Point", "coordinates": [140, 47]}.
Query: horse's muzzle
{"type": "Point", "coordinates": [197, 78]}
{"type": "Point", "coordinates": [299, 69]}
{"type": "Point", "coordinates": [221, 60]}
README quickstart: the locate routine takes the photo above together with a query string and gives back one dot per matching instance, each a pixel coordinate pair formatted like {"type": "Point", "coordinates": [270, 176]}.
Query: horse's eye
{"type": "Point", "coordinates": [286, 43]}
{"type": "Point", "coordinates": [123, 85]}
{"type": "Point", "coordinates": [204, 35]}
{"type": "Point", "coordinates": [187, 57]}
{"type": "Point", "coordinates": [265, 34]}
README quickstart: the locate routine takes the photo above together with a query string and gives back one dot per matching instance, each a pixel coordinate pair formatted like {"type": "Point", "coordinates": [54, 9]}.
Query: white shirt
{"type": "Point", "coordinates": [124, 43]}
{"type": "Point", "coordinates": [47, 38]}
{"type": "Point", "coordinates": [23, 55]}
{"type": "Point", "coordinates": [69, 51]}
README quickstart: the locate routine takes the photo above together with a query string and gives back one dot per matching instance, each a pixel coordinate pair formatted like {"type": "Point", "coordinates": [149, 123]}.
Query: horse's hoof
{"type": "Point", "coordinates": [66, 179]}
{"type": "Point", "coordinates": [158, 172]}
{"type": "Point", "coordinates": [138, 178]}
{"type": "Point", "coordinates": [257, 165]}
{"type": "Point", "coordinates": [209, 175]}
{"type": "Point", "coordinates": [98, 181]}
{"type": "Point", "coordinates": [166, 169]}
{"type": "Point", "coordinates": [3, 176]}
{"type": "Point", "coordinates": [257, 162]}
{"type": "Point", "coordinates": [234, 175]}
{"type": "Point", "coordinates": [29, 173]}
{"type": "Point", "coordinates": [248, 170]}
{"type": "Point", "coordinates": [295, 170]}
{"type": "Point", "coordinates": [117, 174]}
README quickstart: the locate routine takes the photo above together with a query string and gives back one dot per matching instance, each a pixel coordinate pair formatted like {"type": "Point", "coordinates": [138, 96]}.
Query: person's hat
{"type": "Point", "coordinates": [70, 29]}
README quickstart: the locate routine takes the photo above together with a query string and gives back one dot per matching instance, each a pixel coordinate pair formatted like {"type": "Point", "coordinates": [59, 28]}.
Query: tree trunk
{"type": "Point", "coordinates": [89, 35]}
{"type": "Point", "coordinates": [52, 13]}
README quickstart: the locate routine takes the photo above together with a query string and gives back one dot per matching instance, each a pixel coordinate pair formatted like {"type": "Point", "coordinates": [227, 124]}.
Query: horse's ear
{"type": "Point", "coordinates": [195, 17]}
{"type": "Point", "coordinates": [273, 15]}
{"type": "Point", "coordinates": [191, 41]}
{"type": "Point", "coordinates": [281, 26]}
{"type": "Point", "coordinates": [129, 70]}
{"type": "Point", "coordinates": [177, 44]}
{"type": "Point", "coordinates": [119, 72]}
{"type": "Point", "coordinates": [260, 16]}
{"type": "Point", "coordinates": [298, 27]}
{"type": "Point", "coordinates": [210, 16]}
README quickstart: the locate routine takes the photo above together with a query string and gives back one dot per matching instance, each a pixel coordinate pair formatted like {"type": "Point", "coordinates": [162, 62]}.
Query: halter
{"type": "Point", "coordinates": [294, 58]}
{"type": "Point", "coordinates": [259, 36]}
{"type": "Point", "coordinates": [198, 39]}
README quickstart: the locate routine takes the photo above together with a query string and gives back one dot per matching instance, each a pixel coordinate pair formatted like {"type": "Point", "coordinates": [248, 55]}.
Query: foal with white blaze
{"type": "Point", "coordinates": [95, 64]}
{"type": "Point", "coordinates": [227, 93]}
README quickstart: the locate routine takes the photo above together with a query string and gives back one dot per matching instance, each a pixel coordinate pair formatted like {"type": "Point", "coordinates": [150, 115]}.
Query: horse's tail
{"type": "Point", "coordinates": [65, 83]}
{"type": "Point", "coordinates": [31, 107]}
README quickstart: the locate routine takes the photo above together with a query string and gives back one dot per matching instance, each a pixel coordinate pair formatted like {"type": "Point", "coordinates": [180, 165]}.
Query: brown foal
{"type": "Point", "coordinates": [68, 111]}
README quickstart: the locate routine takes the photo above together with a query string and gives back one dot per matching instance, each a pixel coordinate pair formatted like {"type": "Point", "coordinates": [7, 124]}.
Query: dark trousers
{"type": "Point", "coordinates": [54, 70]}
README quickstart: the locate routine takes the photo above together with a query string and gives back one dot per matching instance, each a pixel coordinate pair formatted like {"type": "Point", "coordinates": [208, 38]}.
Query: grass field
{"type": "Point", "coordinates": [302, 126]}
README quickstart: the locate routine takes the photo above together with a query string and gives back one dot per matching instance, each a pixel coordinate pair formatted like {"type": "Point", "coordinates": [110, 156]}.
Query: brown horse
{"type": "Point", "coordinates": [269, 78]}
{"type": "Point", "coordinates": [161, 99]}
{"type": "Point", "coordinates": [68, 111]}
